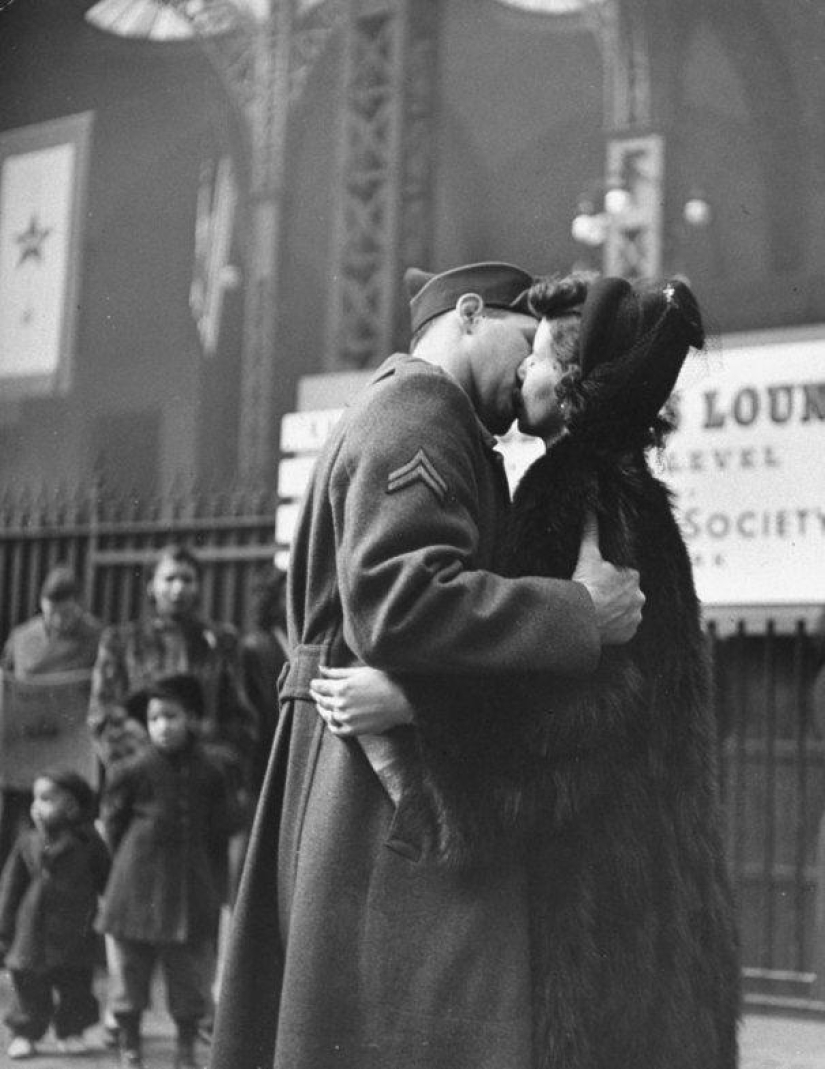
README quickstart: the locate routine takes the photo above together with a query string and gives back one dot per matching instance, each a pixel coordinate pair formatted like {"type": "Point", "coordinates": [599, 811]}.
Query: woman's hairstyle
{"type": "Point", "coordinates": [550, 298]}
{"type": "Point", "coordinates": [559, 300]}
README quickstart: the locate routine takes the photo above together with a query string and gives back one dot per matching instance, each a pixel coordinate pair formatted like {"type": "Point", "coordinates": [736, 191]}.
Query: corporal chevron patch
{"type": "Point", "coordinates": [418, 470]}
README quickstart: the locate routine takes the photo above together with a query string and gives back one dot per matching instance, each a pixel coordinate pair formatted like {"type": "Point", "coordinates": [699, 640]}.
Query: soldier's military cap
{"type": "Point", "coordinates": [500, 285]}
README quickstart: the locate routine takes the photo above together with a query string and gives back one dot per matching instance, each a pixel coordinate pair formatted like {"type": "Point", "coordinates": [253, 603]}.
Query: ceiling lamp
{"type": "Point", "coordinates": [161, 20]}
{"type": "Point", "coordinates": [551, 7]}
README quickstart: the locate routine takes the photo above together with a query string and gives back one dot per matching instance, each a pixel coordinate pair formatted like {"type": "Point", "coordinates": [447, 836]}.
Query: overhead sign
{"type": "Point", "coordinates": [748, 466]}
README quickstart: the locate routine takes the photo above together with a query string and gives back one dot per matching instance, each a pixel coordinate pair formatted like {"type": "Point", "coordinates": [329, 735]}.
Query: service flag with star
{"type": "Point", "coordinates": [39, 174]}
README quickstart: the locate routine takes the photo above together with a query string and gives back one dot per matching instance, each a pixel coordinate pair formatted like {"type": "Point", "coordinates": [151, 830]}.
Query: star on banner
{"type": "Point", "coordinates": [31, 241]}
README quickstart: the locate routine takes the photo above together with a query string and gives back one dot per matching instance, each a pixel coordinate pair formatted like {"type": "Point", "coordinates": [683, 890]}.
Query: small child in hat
{"type": "Point", "coordinates": [48, 900]}
{"type": "Point", "coordinates": [167, 817]}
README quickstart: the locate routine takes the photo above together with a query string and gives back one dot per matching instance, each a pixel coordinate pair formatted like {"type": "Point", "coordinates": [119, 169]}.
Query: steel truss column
{"type": "Point", "coordinates": [267, 114]}
{"type": "Point", "coordinates": [264, 62]}
{"type": "Point", "coordinates": [383, 209]}
{"type": "Point", "coordinates": [634, 153]}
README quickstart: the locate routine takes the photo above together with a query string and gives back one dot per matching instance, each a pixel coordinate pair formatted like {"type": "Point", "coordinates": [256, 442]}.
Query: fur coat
{"type": "Point", "coordinates": [610, 783]}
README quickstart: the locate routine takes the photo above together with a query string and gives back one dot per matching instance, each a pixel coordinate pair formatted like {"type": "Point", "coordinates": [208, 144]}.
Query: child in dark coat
{"type": "Point", "coordinates": [167, 818]}
{"type": "Point", "coordinates": [48, 899]}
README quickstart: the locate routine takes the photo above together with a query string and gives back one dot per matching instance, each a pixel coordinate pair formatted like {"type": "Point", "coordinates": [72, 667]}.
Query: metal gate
{"type": "Point", "coordinates": [773, 790]}
{"type": "Point", "coordinates": [111, 542]}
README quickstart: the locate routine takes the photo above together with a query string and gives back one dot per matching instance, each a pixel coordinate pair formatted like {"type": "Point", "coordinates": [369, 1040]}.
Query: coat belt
{"type": "Point", "coordinates": [301, 668]}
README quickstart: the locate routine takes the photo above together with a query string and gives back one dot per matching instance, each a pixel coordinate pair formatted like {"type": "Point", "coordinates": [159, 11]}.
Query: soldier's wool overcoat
{"type": "Point", "coordinates": [353, 947]}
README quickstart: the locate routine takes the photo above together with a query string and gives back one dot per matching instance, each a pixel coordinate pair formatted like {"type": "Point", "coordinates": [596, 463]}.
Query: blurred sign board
{"type": "Point", "coordinates": [321, 401]}
{"type": "Point", "coordinates": [747, 464]}
{"type": "Point", "coordinates": [43, 725]}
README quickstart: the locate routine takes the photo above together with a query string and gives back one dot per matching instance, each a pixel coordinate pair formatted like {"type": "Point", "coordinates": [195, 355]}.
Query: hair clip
{"type": "Point", "coordinates": [669, 293]}
{"type": "Point", "coordinates": [470, 308]}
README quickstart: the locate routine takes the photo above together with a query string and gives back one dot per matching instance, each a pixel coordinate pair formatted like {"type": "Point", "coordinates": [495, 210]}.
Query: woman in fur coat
{"type": "Point", "coordinates": [610, 783]}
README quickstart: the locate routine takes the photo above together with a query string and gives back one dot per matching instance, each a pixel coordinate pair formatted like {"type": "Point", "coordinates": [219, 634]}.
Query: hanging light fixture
{"type": "Point", "coordinates": [697, 211]}
{"type": "Point", "coordinates": [551, 7]}
{"type": "Point", "coordinates": [603, 205]}
{"type": "Point", "coordinates": [163, 20]}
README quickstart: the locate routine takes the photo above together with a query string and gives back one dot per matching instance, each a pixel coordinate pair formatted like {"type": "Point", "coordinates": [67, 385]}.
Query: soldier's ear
{"type": "Point", "coordinates": [415, 279]}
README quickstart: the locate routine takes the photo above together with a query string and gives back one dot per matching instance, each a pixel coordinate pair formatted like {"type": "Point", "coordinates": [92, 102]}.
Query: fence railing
{"type": "Point", "coordinates": [110, 541]}
{"type": "Point", "coordinates": [772, 768]}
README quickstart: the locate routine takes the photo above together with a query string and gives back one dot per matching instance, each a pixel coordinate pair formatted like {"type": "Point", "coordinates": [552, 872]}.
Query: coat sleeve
{"type": "Point", "coordinates": [238, 716]}
{"type": "Point", "coordinates": [117, 803]}
{"type": "Point", "coordinates": [413, 597]}
{"type": "Point", "coordinates": [7, 656]}
{"type": "Point", "coordinates": [13, 886]}
{"type": "Point", "coordinates": [109, 678]}
{"type": "Point", "coordinates": [101, 862]}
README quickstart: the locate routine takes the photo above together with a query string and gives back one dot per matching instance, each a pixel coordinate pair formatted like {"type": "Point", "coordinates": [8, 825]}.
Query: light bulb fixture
{"type": "Point", "coordinates": [596, 210]}
{"type": "Point", "coordinates": [590, 229]}
{"type": "Point", "coordinates": [696, 211]}
{"type": "Point", "coordinates": [615, 205]}
{"type": "Point", "coordinates": [617, 199]}
{"type": "Point", "coordinates": [161, 20]}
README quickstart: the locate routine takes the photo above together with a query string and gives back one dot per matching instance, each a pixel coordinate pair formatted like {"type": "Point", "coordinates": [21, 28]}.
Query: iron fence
{"type": "Point", "coordinates": [772, 743]}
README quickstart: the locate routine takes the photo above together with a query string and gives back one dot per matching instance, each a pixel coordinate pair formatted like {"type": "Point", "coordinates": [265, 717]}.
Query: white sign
{"type": "Point", "coordinates": [748, 466]}
{"type": "Point", "coordinates": [306, 432]}
{"type": "Point", "coordinates": [302, 433]}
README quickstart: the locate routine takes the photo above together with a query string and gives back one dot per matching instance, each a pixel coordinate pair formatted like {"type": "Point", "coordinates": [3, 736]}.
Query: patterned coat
{"type": "Point", "coordinates": [133, 655]}
{"type": "Point", "coordinates": [354, 944]}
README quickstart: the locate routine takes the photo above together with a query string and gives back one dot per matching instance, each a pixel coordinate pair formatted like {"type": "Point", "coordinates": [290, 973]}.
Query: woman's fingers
{"type": "Point", "coordinates": [328, 708]}
{"type": "Point", "coordinates": [330, 699]}
{"type": "Point", "coordinates": [331, 687]}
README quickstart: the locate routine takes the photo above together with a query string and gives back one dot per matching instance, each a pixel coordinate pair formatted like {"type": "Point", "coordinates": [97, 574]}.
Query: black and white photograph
{"type": "Point", "coordinates": [412, 534]}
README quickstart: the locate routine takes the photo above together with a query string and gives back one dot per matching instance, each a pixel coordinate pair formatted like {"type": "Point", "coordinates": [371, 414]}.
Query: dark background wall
{"type": "Point", "coordinates": [520, 134]}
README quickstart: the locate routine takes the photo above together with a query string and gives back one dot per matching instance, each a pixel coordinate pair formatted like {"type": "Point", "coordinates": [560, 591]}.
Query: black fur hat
{"type": "Point", "coordinates": [633, 342]}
